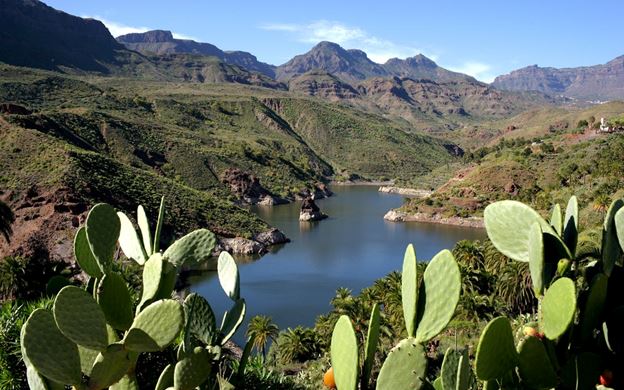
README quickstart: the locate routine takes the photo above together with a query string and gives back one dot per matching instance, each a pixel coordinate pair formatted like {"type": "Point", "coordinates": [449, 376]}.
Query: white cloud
{"type": "Point", "coordinates": [117, 29]}
{"type": "Point", "coordinates": [378, 49]}
{"type": "Point", "coordinates": [478, 70]}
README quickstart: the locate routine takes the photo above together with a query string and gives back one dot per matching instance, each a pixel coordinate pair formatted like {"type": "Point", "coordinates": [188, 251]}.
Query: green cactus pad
{"type": "Point", "coordinates": [449, 370]}
{"type": "Point", "coordinates": [372, 338]}
{"type": "Point", "coordinates": [146, 234]}
{"type": "Point", "coordinates": [129, 240]}
{"type": "Point", "coordinates": [166, 378]}
{"type": "Point", "coordinates": [464, 373]}
{"type": "Point", "coordinates": [87, 358]}
{"type": "Point", "coordinates": [555, 219]}
{"type": "Point", "coordinates": [570, 224]}
{"type": "Point", "coordinates": [594, 306]}
{"type": "Point", "coordinates": [496, 354]}
{"type": "Point", "coordinates": [167, 281]}
{"type": "Point", "coordinates": [534, 366]}
{"type": "Point", "coordinates": [115, 300]}
{"type": "Point", "coordinates": [404, 368]}
{"type": "Point", "coordinates": [558, 308]}
{"type": "Point", "coordinates": [109, 367]}
{"type": "Point", "coordinates": [84, 256]}
{"type": "Point", "coordinates": [128, 382]}
{"type": "Point", "coordinates": [35, 380]}
{"type": "Point", "coordinates": [200, 320]}
{"type": "Point", "coordinates": [508, 224]}
{"type": "Point", "coordinates": [437, 384]}
{"type": "Point", "coordinates": [582, 371]}
{"type": "Point", "coordinates": [409, 289]}
{"type": "Point", "coordinates": [245, 357]}
{"type": "Point", "coordinates": [56, 284]}
{"type": "Point", "coordinates": [536, 258]}
{"type": "Point", "coordinates": [193, 370]}
{"type": "Point", "coordinates": [192, 248]}
{"type": "Point", "coordinates": [491, 385]}
{"type": "Point", "coordinates": [344, 354]}
{"type": "Point", "coordinates": [159, 224]}
{"type": "Point", "coordinates": [155, 327]}
{"type": "Point", "coordinates": [611, 250]}
{"type": "Point", "coordinates": [232, 320]}
{"type": "Point", "coordinates": [152, 275]}
{"type": "Point", "coordinates": [438, 295]}
{"type": "Point", "coordinates": [102, 227]}
{"type": "Point", "coordinates": [80, 318]}
{"type": "Point", "coordinates": [619, 226]}
{"type": "Point", "coordinates": [228, 275]}
{"type": "Point", "coordinates": [49, 351]}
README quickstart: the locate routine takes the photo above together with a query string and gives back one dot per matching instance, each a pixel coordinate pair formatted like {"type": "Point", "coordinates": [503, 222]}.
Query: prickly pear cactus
{"type": "Point", "coordinates": [80, 318]}
{"type": "Point", "coordinates": [409, 289]}
{"type": "Point", "coordinates": [114, 298]}
{"type": "Point", "coordinates": [611, 250]}
{"type": "Point", "coordinates": [344, 354]}
{"type": "Point", "coordinates": [438, 295]}
{"type": "Point", "coordinates": [200, 320]}
{"type": "Point", "coordinates": [594, 306]}
{"type": "Point", "coordinates": [534, 366]}
{"type": "Point", "coordinates": [129, 240]}
{"type": "Point", "coordinates": [232, 320]}
{"type": "Point", "coordinates": [191, 249]}
{"type": "Point", "coordinates": [558, 308]}
{"type": "Point", "coordinates": [146, 234]}
{"type": "Point", "coordinates": [448, 372]}
{"type": "Point", "coordinates": [109, 367]}
{"type": "Point", "coordinates": [570, 224]}
{"type": "Point", "coordinates": [536, 258]}
{"type": "Point", "coordinates": [102, 228]}
{"type": "Point", "coordinates": [496, 354]}
{"type": "Point", "coordinates": [84, 256]}
{"type": "Point", "coordinates": [372, 338]}
{"type": "Point", "coordinates": [508, 224]}
{"type": "Point", "coordinates": [555, 219]}
{"type": "Point", "coordinates": [228, 275]}
{"type": "Point", "coordinates": [155, 327]}
{"type": "Point", "coordinates": [192, 370]}
{"type": "Point", "coordinates": [404, 368]}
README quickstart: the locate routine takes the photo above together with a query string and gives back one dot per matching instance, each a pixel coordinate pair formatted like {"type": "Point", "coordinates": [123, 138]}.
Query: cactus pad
{"type": "Point", "coordinates": [449, 370]}
{"type": "Point", "coordinates": [166, 378]}
{"type": "Point", "coordinates": [193, 370]}
{"type": "Point", "coordinates": [200, 320]}
{"type": "Point", "coordinates": [536, 258]}
{"type": "Point", "coordinates": [555, 219]}
{"type": "Point", "coordinates": [109, 367]}
{"type": "Point", "coordinates": [115, 300]}
{"type": "Point", "coordinates": [155, 327]}
{"type": "Point", "coordinates": [619, 226]}
{"type": "Point", "coordinates": [87, 358]}
{"type": "Point", "coordinates": [146, 234]}
{"type": "Point", "coordinates": [232, 320]}
{"type": "Point", "coordinates": [372, 338]}
{"type": "Point", "coordinates": [409, 289]}
{"type": "Point", "coordinates": [496, 354]}
{"type": "Point", "coordinates": [438, 295]}
{"type": "Point", "coordinates": [129, 240]}
{"type": "Point", "coordinates": [159, 224]}
{"type": "Point", "coordinates": [192, 248]}
{"type": "Point", "coordinates": [508, 224]}
{"type": "Point", "coordinates": [611, 250]}
{"type": "Point", "coordinates": [404, 368]}
{"type": "Point", "coordinates": [48, 350]}
{"type": "Point", "coordinates": [80, 319]}
{"type": "Point", "coordinates": [344, 354]}
{"type": "Point", "coordinates": [152, 275]}
{"type": "Point", "coordinates": [84, 256]}
{"type": "Point", "coordinates": [558, 307]}
{"type": "Point", "coordinates": [570, 224]}
{"type": "Point", "coordinates": [128, 382]}
{"type": "Point", "coordinates": [228, 275]}
{"type": "Point", "coordinates": [102, 227]}
{"type": "Point", "coordinates": [35, 380]}
{"type": "Point", "coordinates": [534, 365]}
{"type": "Point", "coordinates": [464, 373]}
{"type": "Point", "coordinates": [594, 306]}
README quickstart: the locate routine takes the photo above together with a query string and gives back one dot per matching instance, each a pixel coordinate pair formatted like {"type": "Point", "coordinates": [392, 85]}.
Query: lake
{"type": "Point", "coordinates": [353, 247]}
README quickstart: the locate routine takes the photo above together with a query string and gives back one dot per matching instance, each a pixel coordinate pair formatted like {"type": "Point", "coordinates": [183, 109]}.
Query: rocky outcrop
{"type": "Point", "coordinates": [310, 211]}
{"type": "Point", "coordinates": [400, 216]}
{"type": "Point", "coordinates": [13, 109]}
{"type": "Point", "coordinates": [319, 191]}
{"type": "Point", "coordinates": [322, 84]}
{"type": "Point", "coordinates": [248, 189]}
{"type": "Point", "coordinates": [410, 192]}
{"type": "Point", "coordinates": [255, 246]}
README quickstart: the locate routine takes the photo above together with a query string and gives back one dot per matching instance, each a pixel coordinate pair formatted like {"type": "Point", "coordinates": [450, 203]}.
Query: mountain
{"type": "Point", "coordinates": [162, 42]}
{"type": "Point", "coordinates": [421, 67]}
{"type": "Point", "coordinates": [354, 66]}
{"type": "Point", "coordinates": [35, 35]}
{"type": "Point", "coordinates": [598, 82]}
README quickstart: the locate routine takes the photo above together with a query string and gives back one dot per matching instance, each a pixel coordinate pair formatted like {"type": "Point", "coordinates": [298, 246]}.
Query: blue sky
{"type": "Point", "coordinates": [478, 37]}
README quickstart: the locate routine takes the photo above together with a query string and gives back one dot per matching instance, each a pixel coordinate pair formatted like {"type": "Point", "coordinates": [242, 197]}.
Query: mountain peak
{"type": "Point", "coordinates": [152, 36]}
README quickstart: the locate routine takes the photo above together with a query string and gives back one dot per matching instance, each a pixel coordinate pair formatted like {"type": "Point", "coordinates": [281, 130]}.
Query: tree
{"type": "Point", "coordinates": [6, 220]}
{"type": "Point", "coordinates": [582, 124]}
{"type": "Point", "coordinates": [261, 329]}
{"type": "Point", "coordinates": [299, 344]}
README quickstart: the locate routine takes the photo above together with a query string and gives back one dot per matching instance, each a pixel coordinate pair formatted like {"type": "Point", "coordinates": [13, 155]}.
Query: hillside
{"type": "Point", "coordinates": [598, 82]}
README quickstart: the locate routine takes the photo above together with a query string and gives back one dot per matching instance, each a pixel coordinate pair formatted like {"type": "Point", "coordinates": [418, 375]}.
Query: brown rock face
{"type": "Point", "coordinates": [310, 211]}
{"type": "Point", "coordinates": [247, 188]}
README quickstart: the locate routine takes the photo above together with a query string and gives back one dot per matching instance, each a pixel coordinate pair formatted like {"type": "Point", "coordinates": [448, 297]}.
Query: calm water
{"type": "Point", "coordinates": [351, 248]}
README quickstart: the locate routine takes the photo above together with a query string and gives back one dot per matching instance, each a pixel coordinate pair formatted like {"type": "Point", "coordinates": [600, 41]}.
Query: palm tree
{"type": "Point", "coordinates": [6, 220]}
{"type": "Point", "coordinates": [299, 344]}
{"type": "Point", "coordinates": [261, 329]}
{"type": "Point", "coordinates": [602, 202]}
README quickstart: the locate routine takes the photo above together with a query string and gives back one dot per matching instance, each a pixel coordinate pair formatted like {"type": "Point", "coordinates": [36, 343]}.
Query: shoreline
{"type": "Point", "coordinates": [400, 216]}
{"type": "Point", "coordinates": [361, 183]}
{"type": "Point", "coordinates": [408, 192]}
